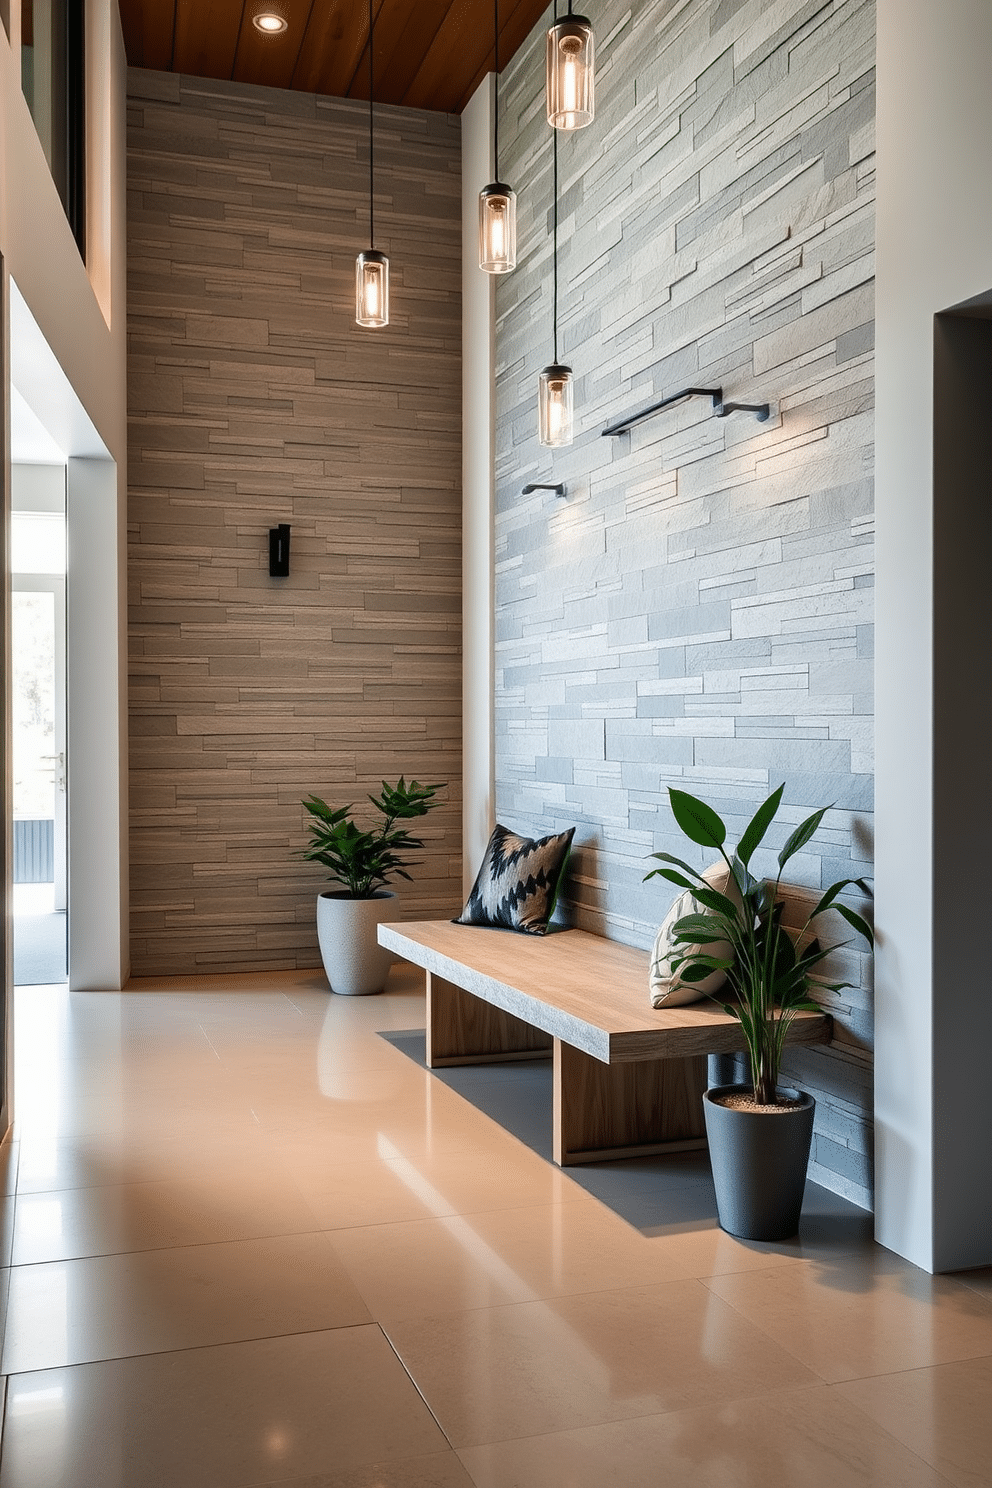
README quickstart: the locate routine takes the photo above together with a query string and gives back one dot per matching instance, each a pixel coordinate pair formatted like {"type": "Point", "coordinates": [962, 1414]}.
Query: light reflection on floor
{"type": "Point", "coordinates": [254, 1241]}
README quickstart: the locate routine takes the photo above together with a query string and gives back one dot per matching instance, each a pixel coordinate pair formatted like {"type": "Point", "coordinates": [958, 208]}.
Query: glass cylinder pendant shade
{"type": "Point", "coordinates": [571, 101]}
{"type": "Point", "coordinates": [372, 288]}
{"type": "Point", "coordinates": [554, 403]}
{"type": "Point", "coordinates": [497, 228]}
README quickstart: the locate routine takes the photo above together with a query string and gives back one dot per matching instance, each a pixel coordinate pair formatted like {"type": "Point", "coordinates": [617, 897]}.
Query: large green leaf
{"type": "Point", "coordinates": [672, 876]}
{"type": "Point", "coordinates": [719, 903]}
{"type": "Point", "coordinates": [698, 971]}
{"type": "Point", "coordinates": [829, 895]}
{"type": "Point", "coordinates": [664, 857]}
{"type": "Point", "coordinates": [698, 821]}
{"type": "Point", "coordinates": [699, 928]}
{"type": "Point", "coordinates": [758, 826]}
{"type": "Point", "coordinates": [743, 877]}
{"type": "Point", "coordinates": [801, 835]}
{"type": "Point", "coordinates": [856, 922]}
{"type": "Point", "coordinates": [323, 812]}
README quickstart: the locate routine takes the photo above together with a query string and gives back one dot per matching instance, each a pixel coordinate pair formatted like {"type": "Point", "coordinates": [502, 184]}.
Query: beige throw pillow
{"type": "Point", "coordinates": [666, 989]}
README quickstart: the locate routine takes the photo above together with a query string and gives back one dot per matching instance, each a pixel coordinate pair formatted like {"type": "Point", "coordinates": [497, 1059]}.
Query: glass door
{"type": "Point", "coordinates": [38, 644]}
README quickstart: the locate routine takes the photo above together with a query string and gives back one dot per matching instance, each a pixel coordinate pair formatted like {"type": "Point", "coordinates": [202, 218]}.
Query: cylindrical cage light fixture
{"type": "Point", "coordinates": [571, 87]}
{"type": "Point", "coordinates": [554, 388]}
{"type": "Point", "coordinates": [371, 266]}
{"type": "Point", "coordinates": [554, 403]}
{"type": "Point", "coordinates": [497, 201]}
{"type": "Point", "coordinates": [497, 228]}
{"type": "Point", "coordinates": [372, 288]}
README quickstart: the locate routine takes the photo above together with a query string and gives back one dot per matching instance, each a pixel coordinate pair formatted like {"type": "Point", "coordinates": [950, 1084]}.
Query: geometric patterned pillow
{"type": "Point", "coordinates": [517, 885]}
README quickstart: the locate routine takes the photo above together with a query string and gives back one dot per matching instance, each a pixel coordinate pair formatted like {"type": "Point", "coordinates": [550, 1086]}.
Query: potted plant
{"type": "Point", "coordinates": [759, 1135]}
{"type": "Point", "coordinates": [363, 862]}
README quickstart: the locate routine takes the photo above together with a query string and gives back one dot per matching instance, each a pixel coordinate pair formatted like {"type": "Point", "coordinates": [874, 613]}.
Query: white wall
{"type": "Point", "coordinates": [478, 420]}
{"type": "Point", "coordinates": [65, 345]}
{"type": "Point", "coordinates": [35, 241]}
{"type": "Point", "coordinates": [934, 237]}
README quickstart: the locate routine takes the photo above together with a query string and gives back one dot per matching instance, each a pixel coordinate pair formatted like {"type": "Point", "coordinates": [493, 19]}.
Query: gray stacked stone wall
{"type": "Point", "coordinates": [698, 610]}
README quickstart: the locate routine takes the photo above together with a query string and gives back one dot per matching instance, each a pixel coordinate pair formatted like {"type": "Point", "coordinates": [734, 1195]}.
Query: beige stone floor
{"type": "Point", "coordinates": [249, 1240]}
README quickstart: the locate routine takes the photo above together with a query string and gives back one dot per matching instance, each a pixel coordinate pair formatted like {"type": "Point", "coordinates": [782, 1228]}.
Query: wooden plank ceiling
{"type": "Point", "coordinates": [429, 54]}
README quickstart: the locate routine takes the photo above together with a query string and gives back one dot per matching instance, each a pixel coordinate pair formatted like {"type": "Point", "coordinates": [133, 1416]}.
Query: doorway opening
{"type": "Point", "coordinates": [39, 743]}
{"type": "Point", "coordinates": [50, 427]}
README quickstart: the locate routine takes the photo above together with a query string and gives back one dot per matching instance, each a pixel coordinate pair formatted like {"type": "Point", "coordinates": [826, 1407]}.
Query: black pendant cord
{"type": "Point", "coordinates": [496, 100]}
{"type": "Point", "coordinates": [371, 134]}
{"type": "Point", "coordinates": [554, 219]}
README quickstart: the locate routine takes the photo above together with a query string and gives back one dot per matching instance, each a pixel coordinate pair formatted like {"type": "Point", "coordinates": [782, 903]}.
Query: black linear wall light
{"type": "Point", "coordinates": [720, 409]}
{"type": "Point", "coordinates": [558, 487]}
{"type": "Point", "coordinates": [279, 551]}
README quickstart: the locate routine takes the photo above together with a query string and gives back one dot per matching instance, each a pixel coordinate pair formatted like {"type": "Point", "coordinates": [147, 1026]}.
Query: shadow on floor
{"type": "Point", "coordinates": [657, 1195]}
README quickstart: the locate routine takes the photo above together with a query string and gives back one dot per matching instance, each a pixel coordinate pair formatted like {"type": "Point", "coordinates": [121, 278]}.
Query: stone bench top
{"type": "Point", "coordinates": [585, 990]}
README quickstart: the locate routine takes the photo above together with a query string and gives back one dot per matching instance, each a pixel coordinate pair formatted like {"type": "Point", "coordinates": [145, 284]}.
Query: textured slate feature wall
{"type": "Point", "coordinates": [254, 399]}
{"type": "Point", "coordinates": [698, 612]}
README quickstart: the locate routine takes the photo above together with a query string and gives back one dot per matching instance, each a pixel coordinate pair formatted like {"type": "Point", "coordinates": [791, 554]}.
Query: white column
{"type": "Point", "coordinates": [97, 729]}
{"type": "Point", "coordinates": [933, 1004]}
{"type": "Point", "coordinates": [478, 450]}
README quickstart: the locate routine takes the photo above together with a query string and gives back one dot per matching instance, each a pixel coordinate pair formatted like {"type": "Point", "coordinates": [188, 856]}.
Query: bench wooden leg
{"type": "Point", "coordinates": [605, 1111]}
{"type": "Point", "coordinates": [462, 1029]}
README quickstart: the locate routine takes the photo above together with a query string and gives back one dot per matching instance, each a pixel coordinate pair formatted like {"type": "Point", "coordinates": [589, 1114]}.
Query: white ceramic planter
{"type": "Point", "coordinates": [355, 963]}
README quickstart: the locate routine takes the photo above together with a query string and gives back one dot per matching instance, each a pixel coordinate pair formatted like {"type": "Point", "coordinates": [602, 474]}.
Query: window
{"type": "Point", "coordinates": [52, 68]}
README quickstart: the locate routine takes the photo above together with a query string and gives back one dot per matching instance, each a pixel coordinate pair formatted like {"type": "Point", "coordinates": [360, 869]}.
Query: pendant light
{"type": "Point", "coordinates": [554, 396]}
{"type": "Point", "coordinates": [571, 101]}
{"type": "Point", "coordinates": [497, 201]}
{"type": "Point", "coordinates": [372, 267]}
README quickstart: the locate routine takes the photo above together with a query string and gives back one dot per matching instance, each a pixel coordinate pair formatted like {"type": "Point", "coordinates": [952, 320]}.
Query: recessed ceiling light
{"type": "Point", "coordinates": [269, 22]}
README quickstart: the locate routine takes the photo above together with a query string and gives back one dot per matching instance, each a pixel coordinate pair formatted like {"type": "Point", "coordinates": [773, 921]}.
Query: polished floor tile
{"type": "Point", "coordinates": [279, 1410]}
{"type": "Point", "coordinates": [254, 1242]}
{"type": "Point", "coordinates": [794, 1439]}
{"type": "Point", "coordinates": [194, 1208]}
{"type": "Point", "coordinates": [499, 1372]}
{"type": "Point", "coordinates": [57, 1163]}
{"type": "Point", "coordinates": [103, 1307]}
{"type": "Point", "coordinates": [437, 1471]}
{"type": "Point", "coordinates": [979, 1280]}
{"type": "Point", "coordinates": [943, 1414]}
{"type": "Point", "coordinates": [426, 1268]}
{"type": "Point", "coordinates": [863, 1315]}
{"type": "Point", "coordinates": [487, 1257]}
{"type": "Point", "coordinates": [9, 1157]}
{"type": "Point", "coordinates": [494, 1174]}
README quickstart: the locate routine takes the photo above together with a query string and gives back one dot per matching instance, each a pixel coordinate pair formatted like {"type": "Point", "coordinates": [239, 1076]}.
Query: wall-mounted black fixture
{"type": "Point", "coordinates": [721, 409]}
{"type": "Point", "coordinates": [760, 410]}
{"type": "Point", "coordinates": [279, 551]}
{"type": "Point", "coordinates": [558, 488]}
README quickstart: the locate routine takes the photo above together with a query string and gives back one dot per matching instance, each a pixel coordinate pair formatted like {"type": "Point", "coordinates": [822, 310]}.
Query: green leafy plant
{"type": "Point", "coordinates": [770, 972]}
{"type": "Point", "coordinates": [364, 862]}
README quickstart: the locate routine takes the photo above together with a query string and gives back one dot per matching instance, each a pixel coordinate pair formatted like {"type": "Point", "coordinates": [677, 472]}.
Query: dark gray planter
{"type": "Point", "coordinates": [759, 1164]}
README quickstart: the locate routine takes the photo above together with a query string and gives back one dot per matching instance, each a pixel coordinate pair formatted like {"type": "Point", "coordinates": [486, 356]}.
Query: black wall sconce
{"type": "Point", "coordinates": [279, 551]}
{"type": "Point", "coordinates": [558, 488]}
{"type": "Point", "coordinates": [720, 409]}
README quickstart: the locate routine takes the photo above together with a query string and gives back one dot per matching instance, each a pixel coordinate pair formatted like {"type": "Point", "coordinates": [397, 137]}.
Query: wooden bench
{"type": "Point", "coordinates": [628, 1079]}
